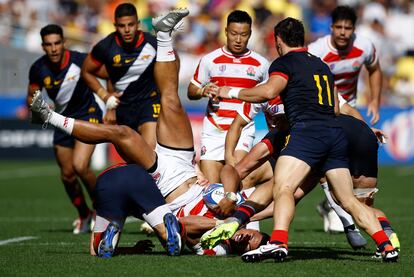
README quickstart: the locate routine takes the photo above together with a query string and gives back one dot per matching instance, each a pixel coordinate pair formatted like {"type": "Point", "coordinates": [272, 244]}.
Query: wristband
{"type": "Point", "coordinates": [234, 93]}
{"type": "Point", "coordinates": [231, 196]}
{"type": "Point", "coordinates": [111, 103]}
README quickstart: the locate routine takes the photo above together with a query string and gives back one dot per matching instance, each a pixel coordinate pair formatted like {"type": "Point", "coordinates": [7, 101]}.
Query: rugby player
{"type": "Point", "coordinates": [232, 65]}
{"type": "Point", "coordinates": [316, 142]}
{"type": "Point", "coordinates": [129, 57]}
{"type": "Point", "coordinates": [58, 72]}
{"type": "Point", "coordinates": [346, 53]}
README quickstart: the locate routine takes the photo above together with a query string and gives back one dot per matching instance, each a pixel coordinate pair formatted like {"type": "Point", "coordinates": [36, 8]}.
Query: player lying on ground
{"type": "Point", "coordinates": [316, 141]}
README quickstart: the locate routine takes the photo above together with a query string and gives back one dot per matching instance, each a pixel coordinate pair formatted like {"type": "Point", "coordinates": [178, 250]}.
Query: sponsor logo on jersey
{"type": "Point", "coordinates": [332, 66]}
{"type": "Point", "coordinates": [356, 65]}
{"type": "Point", "coordinates": [47, 81]}
{"type": "Point", "coordinates": [236, 60]}
{"type": "Point", "coordinates": [57, 82]}
{"type": "Point", "coordinates": [130, 60]}
{"type": "Point", "coordinates": [222, 68]}
{"type": "Point", "coordinates": [146, 57]}
{"type": "Point", "coordinates": [117, 60]}
{"type": "Point", "coordinates": [156, 176]}
{"type": "Point", "coordinates": [251, 71]}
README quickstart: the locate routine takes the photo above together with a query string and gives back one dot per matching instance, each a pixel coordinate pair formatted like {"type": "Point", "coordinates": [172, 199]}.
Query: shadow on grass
{"type": "Point", "coordinates": [316, 253]}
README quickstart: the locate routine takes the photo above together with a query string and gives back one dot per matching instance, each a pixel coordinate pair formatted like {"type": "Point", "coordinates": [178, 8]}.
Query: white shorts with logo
{"type": "Point", "coordinates": [189, 203]}
{"type": "Point", "coordinates": [174, 168]}
{"type": "Point", "coordinates": [213, 141]}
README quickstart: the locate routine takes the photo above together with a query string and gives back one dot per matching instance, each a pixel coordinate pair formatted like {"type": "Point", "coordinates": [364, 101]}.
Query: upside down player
{"type": "Point", "coordinates": [58, 71]}
{"type": "Point", "coordinates": [305, 84]}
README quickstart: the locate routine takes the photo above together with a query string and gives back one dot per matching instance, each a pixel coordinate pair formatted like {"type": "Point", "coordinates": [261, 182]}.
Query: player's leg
{"type": "Point", "coordinates": [82, 154]}
{"type": "Point", "coordinates": [148, 133]}
{"type": "Point", "coordinates": [173, 128]}
{"type": "Point", "coordinates": [64, 156]}
{"type": "Point", "coordinates": [341, 182]}
{"type": "Point", "coordinates": [211, 169]}
{"type": "Point", "coordinates": [130, 144]}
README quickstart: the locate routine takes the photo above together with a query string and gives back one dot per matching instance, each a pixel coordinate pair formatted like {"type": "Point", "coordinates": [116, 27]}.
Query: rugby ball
{"type": "Point", "coordinates": [213, 193]}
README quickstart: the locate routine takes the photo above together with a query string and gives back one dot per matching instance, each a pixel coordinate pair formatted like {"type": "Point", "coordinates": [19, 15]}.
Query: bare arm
{"type": "Point", "coordinates": [260, 93]}
{"type": "Point", "coordinates": [349, 110]}
{"type": "Point", "coordinates": [232, 137]}
{"type": "Point", "coordinates": [375, 83]}
{"type": "Point", "coordinates": [90, 71]}
{"type": "Point", "coordinates": [196, 93]}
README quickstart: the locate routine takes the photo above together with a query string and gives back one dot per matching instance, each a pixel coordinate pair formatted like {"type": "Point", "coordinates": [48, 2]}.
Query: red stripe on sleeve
{"type": "Point", "coordinates": [283, 75]}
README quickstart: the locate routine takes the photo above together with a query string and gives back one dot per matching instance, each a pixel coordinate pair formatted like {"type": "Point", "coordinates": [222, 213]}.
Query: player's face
{"type": "Point", "coordinates": [245, 240]}
{"type": "Point", "coordinates": [238, 35]}
{"type": "Point", "coordinates": [127, 27]}
{"type": "Point", "coordinates": [342, 31]}
{"type": "Point", "coordinates": [54, 48]}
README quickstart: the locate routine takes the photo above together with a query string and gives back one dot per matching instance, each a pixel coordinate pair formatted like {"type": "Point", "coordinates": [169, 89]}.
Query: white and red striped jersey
{"type": "Point", "coordinates": [221, 66]}
{"type": "Point", "coordinates": [345, 65]}
{"type": "Point", "coordinates": [270, 109]}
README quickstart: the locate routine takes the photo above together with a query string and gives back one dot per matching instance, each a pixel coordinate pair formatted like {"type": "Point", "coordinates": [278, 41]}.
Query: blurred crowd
{"type": "Point", "coordinates": [388, 23]}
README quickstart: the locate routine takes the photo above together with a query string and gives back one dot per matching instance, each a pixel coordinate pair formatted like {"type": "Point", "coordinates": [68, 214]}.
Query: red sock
{"type": "Point", "coordinates": [381, 239]}
{"type": "Point", "coordinates": [279, 237]}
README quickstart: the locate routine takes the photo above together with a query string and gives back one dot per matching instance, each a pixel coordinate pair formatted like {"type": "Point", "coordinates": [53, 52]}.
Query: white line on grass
{"type": "Point", "coordinates": [18, 239]}
{"type": "Point", "coordinates": [29, 172]}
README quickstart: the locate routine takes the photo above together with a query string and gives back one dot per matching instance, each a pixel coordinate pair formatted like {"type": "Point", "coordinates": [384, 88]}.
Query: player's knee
{"type": "Point", "coordinates": [122, 131]}
{"type": "Point", "coordinates": [81, 167]}
{"type": "Point", "coordinates": [68, 175]}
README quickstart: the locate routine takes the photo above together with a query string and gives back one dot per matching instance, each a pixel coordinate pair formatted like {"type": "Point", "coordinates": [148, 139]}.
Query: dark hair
{"type": "Point", "coordinates": [343, 13]}
{"type": "Point", "coordinates": [291, 31]}
{"type": "Point", "coordinates": [51, 29]}
{"type": "Point", "coordinates": [265, 238]}
{"type": "Point", "coordinates": [125, 9]}
{"type": "Point", "coordinates": [238, 16]}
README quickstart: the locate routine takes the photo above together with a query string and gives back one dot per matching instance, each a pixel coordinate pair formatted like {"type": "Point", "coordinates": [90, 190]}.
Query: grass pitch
{"type": "Point", "coordinates": [36, 235]}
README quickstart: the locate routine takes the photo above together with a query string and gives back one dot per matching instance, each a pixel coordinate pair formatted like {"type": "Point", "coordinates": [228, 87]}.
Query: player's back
{"type": "Point", "coordinates": [309, 94]}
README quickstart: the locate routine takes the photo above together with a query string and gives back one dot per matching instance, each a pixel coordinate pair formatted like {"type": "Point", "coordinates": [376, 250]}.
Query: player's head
{"type": "Point", "coordinates": [343, 26]}
{"type": "Point", "coordinates": [238, 31]}
{"type": "Point", "coordinates": [126, 22]}
{"type": "Point", "coordinates": [289, 32]}
{"type": "Point", "coordinates": [247, 239]}
{"type": "Point", "coordinates": [53, 42]}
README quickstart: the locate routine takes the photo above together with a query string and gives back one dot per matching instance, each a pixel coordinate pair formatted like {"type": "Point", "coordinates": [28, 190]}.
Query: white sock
{"type": "Point", "coordinates": [62, 122]}
{"type": "Point", "coordinates": [156, 216]}
{"type": "Point", "coordinates": [165, 51]}
{"type": "Point", "coordinates": [345, 217]}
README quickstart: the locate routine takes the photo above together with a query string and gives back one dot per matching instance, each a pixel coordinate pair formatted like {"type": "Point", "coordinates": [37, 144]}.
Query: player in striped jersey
{"type": "Point", "coordinates": [232, 65]}
{"type": "Point", "coordinates": [59, 72]}
{"type": "Point", "coordinates": [346, 53]}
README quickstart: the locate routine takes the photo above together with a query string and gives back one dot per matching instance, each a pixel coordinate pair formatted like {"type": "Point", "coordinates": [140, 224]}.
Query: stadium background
{"type": "Point", "coordinates": [389, 24]}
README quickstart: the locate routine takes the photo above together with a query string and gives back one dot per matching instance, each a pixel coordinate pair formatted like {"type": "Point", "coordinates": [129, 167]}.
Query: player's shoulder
{"type": "Point", "coordinates": [39, 62]}
{"type": "Point", "coordinates": [319, 44]}
{"type": "Point", "coordinates": [77, 55]}
{"type": "Point", "coordinates": [214, 54]}
{"type": "Point", "coordinates": [106, 41]}
{"type": "Point", "coordinates": [363, 42]}
{"type": "Point", "coordinates": [148, 37]}
{"type": "Point", "coordinates": [261, 59]}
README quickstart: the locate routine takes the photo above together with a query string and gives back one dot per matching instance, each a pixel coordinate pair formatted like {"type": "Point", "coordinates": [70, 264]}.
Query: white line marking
{"type": "Point", "coordinates": [18, 239]}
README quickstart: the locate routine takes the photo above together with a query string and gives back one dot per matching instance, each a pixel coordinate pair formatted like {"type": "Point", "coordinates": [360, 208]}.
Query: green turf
{"type": "Point", "coordinates": [33, 204]}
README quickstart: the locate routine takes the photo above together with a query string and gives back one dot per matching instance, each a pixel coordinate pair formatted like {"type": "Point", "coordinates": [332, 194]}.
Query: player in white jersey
{"type": "Point", "coordinates": [232, 65]}
{"type": "Point", "coordinates": [346, 53]}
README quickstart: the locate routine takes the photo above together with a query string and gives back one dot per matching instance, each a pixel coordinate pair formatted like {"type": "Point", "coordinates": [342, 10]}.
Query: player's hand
{"type": "Point", "coordinates": [381, 136]}
{"type": "Point", "coordinates": [225, 207]}
{"type": "Point", "coordinates": [202, 180]}
{"type": "Point", "coordinates": [223, 92]}
{"type": "Point", "coordinates": [110, 117]}
{"type": "Point", "coordinates": [112, 100]}
{"type": "Point", "coordinates": [210, 89]}
{"type": "Point", "coordinates": [143, 246]}
{"type": "Point", "coordinates": [373, 113]}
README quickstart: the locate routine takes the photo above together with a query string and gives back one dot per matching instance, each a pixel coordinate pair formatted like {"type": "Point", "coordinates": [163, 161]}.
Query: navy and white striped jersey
{"type": "Point", "coordinates": [131, 71]}
{"type": "Point", "coordinates": [71, 96]}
